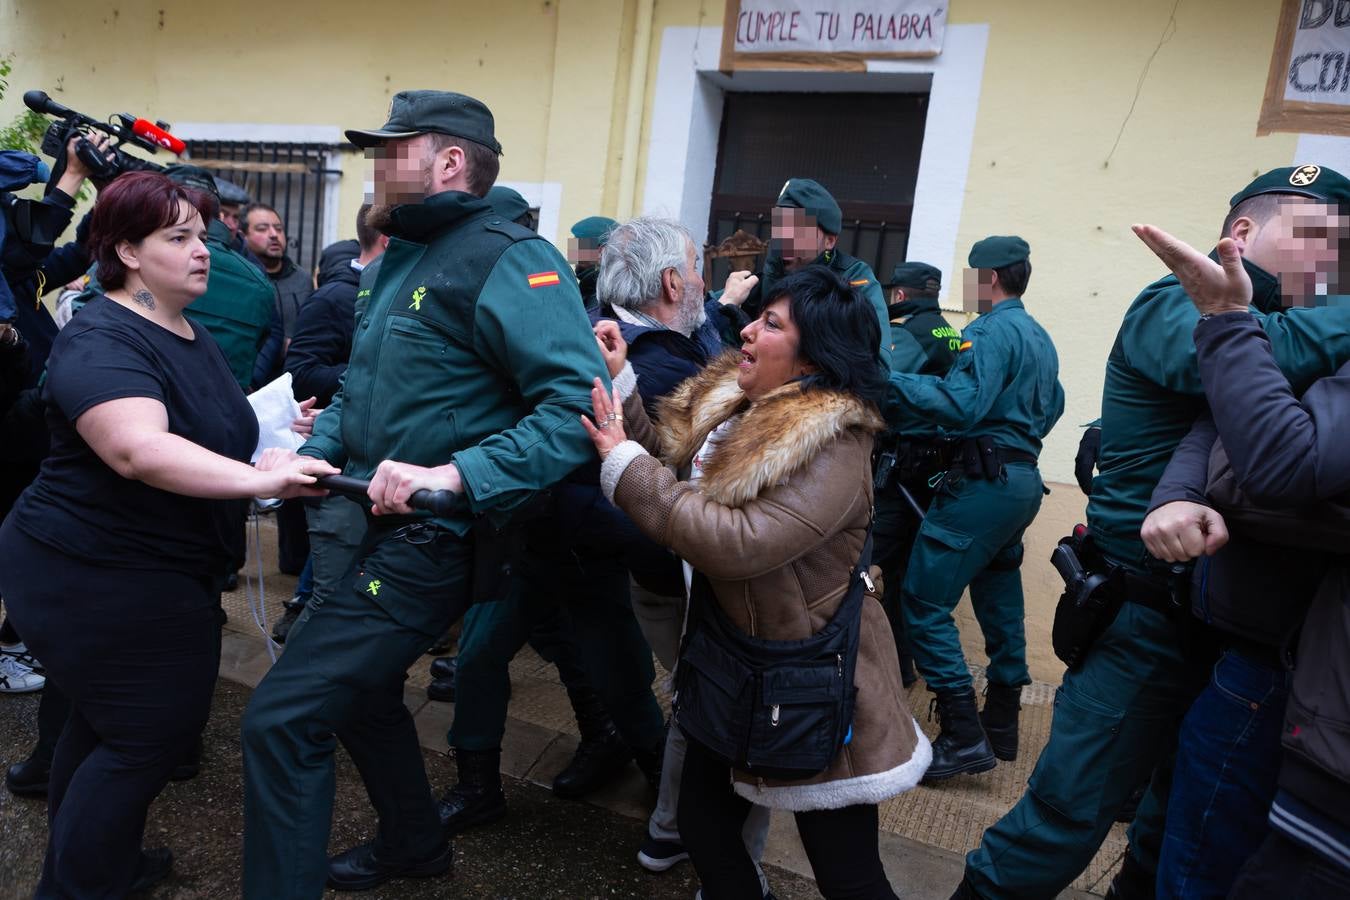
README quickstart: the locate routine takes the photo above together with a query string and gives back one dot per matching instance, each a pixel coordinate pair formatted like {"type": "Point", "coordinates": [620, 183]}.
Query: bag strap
{"type": "Point", "coordinates": [703, 608]}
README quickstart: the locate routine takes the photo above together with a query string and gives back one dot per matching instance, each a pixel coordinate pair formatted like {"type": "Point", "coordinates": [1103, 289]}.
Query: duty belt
{"type": "Point", "coordinates": [1164, 592]}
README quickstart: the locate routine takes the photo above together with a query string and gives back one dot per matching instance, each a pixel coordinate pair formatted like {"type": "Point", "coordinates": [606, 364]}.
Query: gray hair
{"type": "Point", "coordinates": [635, 256]}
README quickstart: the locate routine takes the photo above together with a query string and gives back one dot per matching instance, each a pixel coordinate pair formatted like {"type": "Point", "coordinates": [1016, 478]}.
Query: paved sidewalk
{"type": "Point", "coordinates": [546, 848]}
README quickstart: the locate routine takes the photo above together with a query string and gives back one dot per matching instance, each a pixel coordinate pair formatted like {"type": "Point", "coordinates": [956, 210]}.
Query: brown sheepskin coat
{"type": "Point", "coordinates": [777, 524]}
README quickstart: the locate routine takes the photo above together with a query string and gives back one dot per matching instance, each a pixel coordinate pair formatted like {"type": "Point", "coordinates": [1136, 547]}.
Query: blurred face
{"type": "Point", "coordinates": [797, 237]}
{"type": "Point", "coordinates": [1301, 246]}
{"type": "Point", "coordinates": [403, 169]}
{"type": "Point", "coordinates": [769, 353]}
{"type": "Point", "coordinates": [173, 262]}
{"type": "Point", "coordinates": [977, 295]}
{"type": "Point", "coordinates": [265, 236]}
{"type": "Point", "coordinates": [689, 283]}
{"type": "Point", "coordinates": [583, 253]}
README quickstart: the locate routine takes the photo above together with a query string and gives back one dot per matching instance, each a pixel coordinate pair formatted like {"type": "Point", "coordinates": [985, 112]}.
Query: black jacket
{"type": "Point", "coordinates": [1251, 590]}
{"type": "Point", "coordinates": [1289, 452]}
{"type": "Point", "coordinates": [939, 341]}
{"type": "Point", "coordinates": [322, 343]}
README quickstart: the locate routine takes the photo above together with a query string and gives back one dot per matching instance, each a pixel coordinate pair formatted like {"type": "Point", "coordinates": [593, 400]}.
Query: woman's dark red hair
{"type": "Point", "coordinates": [131, 208]}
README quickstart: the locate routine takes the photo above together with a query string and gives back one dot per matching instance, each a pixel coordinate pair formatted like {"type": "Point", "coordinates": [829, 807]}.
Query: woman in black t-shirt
{"type": "Point", "coordinates": [107, 561]}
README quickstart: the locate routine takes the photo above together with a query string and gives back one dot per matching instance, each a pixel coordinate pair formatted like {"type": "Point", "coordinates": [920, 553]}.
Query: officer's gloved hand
{"type": "Point", "coordinates": [1089, 452]}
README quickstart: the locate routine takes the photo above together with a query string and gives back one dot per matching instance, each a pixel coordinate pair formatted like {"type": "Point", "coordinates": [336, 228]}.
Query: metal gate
{"type": "Point", "coordinates": [864, 147]}
{"type": "Point", "coordinates": [291, 177]}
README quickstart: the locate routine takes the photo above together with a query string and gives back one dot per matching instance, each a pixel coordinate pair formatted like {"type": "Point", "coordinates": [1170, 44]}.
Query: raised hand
{"type": "Point", "coordinates": [607, 431]}
{"type": "Point", "coordinates": [1213, 287]}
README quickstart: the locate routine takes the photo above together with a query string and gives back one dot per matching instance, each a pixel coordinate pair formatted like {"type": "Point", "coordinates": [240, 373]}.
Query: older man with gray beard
{"type": "Point", "coordinates": [651, 285]}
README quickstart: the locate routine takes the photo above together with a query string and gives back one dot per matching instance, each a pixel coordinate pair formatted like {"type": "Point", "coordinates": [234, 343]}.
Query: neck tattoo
{"type": "Point", "coordinates": [144, 298]}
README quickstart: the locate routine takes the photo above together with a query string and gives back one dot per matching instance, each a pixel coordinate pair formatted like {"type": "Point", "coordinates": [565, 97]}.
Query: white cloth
{"type": "Point", "coordinates": [274, 405]}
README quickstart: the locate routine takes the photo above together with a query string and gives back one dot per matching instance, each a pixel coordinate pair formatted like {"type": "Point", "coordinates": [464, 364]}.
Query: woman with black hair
{"type": "Point", "coordinates": [774, 445]}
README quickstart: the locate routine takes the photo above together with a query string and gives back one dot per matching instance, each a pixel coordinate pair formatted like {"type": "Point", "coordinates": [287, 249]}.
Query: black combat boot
{"type": "Point", "coordinates": [965, 891]}
{"type": "Point", "coordinates": [961, 747]}
{"type": "Point", "coordinates": [1132, 882]}
{"type": "Point", "coordinates": [1002, 703]}
{"type": "Point", "coordinates": [602, 754]}
{"type": "Point", "coordinates": [477, 798]}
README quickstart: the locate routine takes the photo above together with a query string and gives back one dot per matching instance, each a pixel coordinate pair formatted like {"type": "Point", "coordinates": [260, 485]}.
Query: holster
{"type": "Point", "coordinates": [1095, 588]}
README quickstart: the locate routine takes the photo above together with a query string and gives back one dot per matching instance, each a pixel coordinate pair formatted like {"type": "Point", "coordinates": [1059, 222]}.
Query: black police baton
{"type": "Point", "coordinates": [440, 503]}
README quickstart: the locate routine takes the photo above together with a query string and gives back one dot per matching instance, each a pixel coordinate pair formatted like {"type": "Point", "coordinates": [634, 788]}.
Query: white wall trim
{"type": "Point", "coordinates": [1330, 150]}
{"type": "Point", "coordinates": [686, 119]}
{"type": "Point", "coordinates": [258, 131]}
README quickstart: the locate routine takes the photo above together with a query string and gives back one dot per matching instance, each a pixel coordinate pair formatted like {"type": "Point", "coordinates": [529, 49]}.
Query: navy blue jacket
{"type": "Point", "coordinates": [1288, 451]}
{"type": "Point", "coordinates": [322, 343]}
{"type": "Point", "coordinates": [663, 358]}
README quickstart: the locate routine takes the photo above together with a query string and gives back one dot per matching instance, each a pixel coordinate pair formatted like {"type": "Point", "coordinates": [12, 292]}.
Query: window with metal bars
{"type": "Point", "coordinates": [863, 147]}
{"type": "Point", "coordinates": [291, 177]}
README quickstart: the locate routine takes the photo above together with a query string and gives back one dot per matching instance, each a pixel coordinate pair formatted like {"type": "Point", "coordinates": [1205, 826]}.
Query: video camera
{"type": "Point", "coordinates": [123, 128]}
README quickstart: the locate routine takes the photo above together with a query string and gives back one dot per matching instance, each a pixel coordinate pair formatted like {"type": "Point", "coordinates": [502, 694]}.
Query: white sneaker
{"type": "Point", "coordinates": [16, 678]}
{"type": "Point", "coordinates": [19, 652]}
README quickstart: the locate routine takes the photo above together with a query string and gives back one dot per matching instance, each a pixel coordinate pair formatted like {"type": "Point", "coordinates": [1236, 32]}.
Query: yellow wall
{"type": "Point", "coordinates": [549, 71]}
{"type": "Point", "coordinates": [1059, 81]}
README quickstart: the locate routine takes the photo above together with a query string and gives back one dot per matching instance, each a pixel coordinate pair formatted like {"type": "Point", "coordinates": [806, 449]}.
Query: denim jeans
{"type": "Point", "coordinates": [1228, 758]}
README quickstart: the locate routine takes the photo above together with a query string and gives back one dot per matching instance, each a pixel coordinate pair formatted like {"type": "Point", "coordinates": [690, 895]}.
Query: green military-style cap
{"type": "Point", "coordinates": [803, 193]}
{"type": "Point", "coordinates": [444, 112]}
{"type": "Point", "coordinates": [997, 251]}
{"type": "Point", "coordinates": [194, 177]}
{"type": "Point", "coordinates": [506, 203]}
{"type": "Point", "coordinates": [918, 275]}
{"type": "Point", "coordinates": [594, 228]}
{"type": "Point", "coordinates": [1317, 182]}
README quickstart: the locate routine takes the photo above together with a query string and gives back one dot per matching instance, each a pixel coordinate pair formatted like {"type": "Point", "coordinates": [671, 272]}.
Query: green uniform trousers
{"type": "Point", "coordinates": [1116, 719]}
{"type": "Point", "coordinates": [341, 678]}
{"type": "Point", "coordinates": [971, 535]}
{"type": "Point", "coordinates": [575, 609]}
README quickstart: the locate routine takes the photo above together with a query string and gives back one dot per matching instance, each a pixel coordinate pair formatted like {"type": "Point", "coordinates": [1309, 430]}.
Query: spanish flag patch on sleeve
{"type": "Point", "coordinates": [965, 345]}
{"type": "Point", "coordinates": [859, 283]}
{"type": "Point", "coordinates": [542, 279]}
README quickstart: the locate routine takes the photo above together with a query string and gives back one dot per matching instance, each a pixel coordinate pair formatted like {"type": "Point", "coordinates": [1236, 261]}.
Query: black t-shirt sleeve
{"type": "Point", "coordinates": [98, 366]}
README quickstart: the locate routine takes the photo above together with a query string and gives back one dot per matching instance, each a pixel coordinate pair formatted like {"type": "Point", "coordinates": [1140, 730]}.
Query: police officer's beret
{"type": "Point", "coordinates": [594, 228]}
{"type": "Point", "coordinates": [231, 194]}
{"type": "Point", "coordinates": [417, 112]}
{"type": "Point", "coordinates": [194, 177]}
{"type": "Point", "coordinates": [811, 196]}
{"type": "Point", "coordinates": [506, 203]}
{"type": "Point", "coordinates": [998, 251]}
{"type": "Point", "coordinates": [919, 275]}
{"type": "Point", "coordinates": [1317, 182]}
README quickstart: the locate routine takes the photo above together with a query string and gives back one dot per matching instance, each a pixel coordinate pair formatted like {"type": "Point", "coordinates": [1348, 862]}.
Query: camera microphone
{"type": "Point", "coordinates": [144, 128]}
{"type": "Point", "coordinates": [39, 102]}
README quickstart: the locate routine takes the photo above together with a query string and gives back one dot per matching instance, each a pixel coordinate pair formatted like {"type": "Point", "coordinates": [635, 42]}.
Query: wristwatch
{"type": "Point", "coordinates": [11, 337]}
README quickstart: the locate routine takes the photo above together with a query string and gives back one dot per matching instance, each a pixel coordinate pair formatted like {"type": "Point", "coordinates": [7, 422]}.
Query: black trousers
{"type": "Point", "coordinates": [840, 843]}
{"type": "Point", "coordinates": [137, 654]}
{"type": "Point", "coordinates": [292, 536]}
{"type": "Point", "coordinates": [1282, 868]}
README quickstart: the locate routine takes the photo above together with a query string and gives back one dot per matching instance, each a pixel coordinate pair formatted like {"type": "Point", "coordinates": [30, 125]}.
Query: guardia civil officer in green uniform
{"type": "Point", "coordinates": [998, 402]}
{"type": "Point", "coordinates": [1118, 711]}
{"type": "Point", "coordinates": [471, 365]}
{"type": "Point", "coordinates": [921, 342]}
{"type": "Point", "coordinates": [583, 252]}
{"type": "Point", "coordinates": [806, 224]}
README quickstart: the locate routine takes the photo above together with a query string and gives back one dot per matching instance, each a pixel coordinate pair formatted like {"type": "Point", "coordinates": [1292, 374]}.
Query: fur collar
{"type": "Point", "coordinates": [775, 437]}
